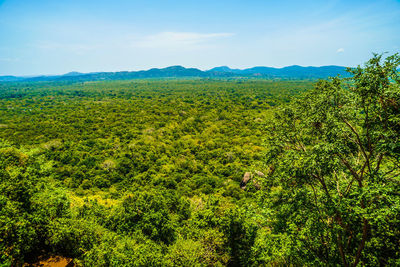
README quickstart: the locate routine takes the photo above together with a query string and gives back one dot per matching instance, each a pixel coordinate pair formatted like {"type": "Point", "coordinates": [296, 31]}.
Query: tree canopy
{"type": "Point", "coordinates": [203, 172]}
{"type": "Point", "coordinates": [334, 158]}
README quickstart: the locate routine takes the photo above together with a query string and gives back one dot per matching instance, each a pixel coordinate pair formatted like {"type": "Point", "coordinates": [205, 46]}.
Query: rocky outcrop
{"type": "Point", "coordinates": [246, 178]}
{"type": "Point", "coordinates": [251, 176]}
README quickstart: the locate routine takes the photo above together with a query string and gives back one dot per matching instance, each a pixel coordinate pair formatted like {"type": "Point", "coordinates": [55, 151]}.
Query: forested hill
{"type": "Point", "coordinates": [291, 72]}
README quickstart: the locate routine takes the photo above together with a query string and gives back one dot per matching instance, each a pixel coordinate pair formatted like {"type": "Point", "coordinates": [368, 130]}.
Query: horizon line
{"type": "Point", "coordinates": [160, 68]}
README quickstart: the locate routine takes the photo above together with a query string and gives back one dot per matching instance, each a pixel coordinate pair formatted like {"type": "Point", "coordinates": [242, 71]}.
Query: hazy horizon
{"type": "Point", "coordinates": [56, 37]}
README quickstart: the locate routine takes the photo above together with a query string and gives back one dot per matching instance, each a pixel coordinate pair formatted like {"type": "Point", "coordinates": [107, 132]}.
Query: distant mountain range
{"type": "Point", "coordinates": [291, 72]}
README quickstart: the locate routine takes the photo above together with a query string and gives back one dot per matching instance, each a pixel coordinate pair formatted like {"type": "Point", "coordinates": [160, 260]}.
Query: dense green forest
{"type": "Point", "coordinates": [202, 171]}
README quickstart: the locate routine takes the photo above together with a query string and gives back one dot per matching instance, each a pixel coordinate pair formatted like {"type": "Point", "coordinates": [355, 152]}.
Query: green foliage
{"type": "Point", "coordinates": [149, 212]}
{"type": "Point", "coordinates": [334, 155]}
{"type": "Point", "coordinates": [122, 251]}
{"type": "Point", "coordinates": [148, 172]}
{"type": "Point", "coordinates": [108, 173]}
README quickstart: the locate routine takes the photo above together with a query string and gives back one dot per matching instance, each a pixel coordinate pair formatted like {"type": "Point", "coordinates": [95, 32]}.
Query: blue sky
{"type": "Point", "coordinates": [59, 36]}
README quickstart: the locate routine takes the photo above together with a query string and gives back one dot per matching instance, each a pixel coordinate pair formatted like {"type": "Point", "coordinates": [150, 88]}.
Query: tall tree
{"type": "Point", "coordinates": [335, 158]}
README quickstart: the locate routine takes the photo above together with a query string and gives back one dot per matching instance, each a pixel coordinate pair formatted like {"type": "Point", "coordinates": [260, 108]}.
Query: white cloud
{"type": "Point", "coordinates": [178, 39]}
{"type": "Point", "coordinates": [340, 50]}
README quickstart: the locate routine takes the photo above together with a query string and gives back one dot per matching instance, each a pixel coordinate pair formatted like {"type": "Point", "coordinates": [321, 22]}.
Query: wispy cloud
{"type": "Point", "coordinates": [178, 39]}
{"type": "Point", "coordinates": [340, 50]}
